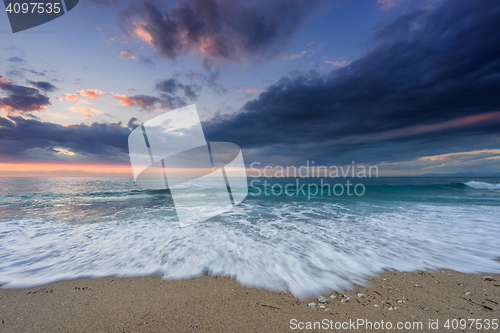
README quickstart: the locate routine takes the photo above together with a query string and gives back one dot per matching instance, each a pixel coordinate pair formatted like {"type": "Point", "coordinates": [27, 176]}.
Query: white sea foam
{"type": "Point", "coordinates": [306, 248]}
{"type": "Point", "coordinates": [483, 185]}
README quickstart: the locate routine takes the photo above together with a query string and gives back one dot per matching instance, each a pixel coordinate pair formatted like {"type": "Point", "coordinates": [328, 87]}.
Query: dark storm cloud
{"type": "Point", "coordinates": [24, 139]}
{"type": "Point", "coordinates": [43, 85]}
{"type": "Point", "coordinates": [21, 98]}
{"type": "Point", "coordinates": [220, 29]}
{"type": "Point", "coordinates": [431, 84]}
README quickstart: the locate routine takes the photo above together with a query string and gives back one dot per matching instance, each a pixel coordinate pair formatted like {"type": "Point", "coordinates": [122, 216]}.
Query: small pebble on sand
{"type": "Point", "coordinates": [323, 300]}
{"type": "Point", "coordinates": [311, 304]}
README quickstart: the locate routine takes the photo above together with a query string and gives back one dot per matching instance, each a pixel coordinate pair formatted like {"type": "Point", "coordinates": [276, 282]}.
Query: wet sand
{"type": "Point", "coordinates": [220, 304]}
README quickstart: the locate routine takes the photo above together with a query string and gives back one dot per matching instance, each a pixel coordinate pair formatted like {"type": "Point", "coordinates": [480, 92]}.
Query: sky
{"type": "Point", "coordinates": [412, 87]}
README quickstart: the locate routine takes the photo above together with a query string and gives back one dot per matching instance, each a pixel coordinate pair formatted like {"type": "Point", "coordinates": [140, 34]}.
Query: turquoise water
{"type": "Point", "coordinates": [304, 242]}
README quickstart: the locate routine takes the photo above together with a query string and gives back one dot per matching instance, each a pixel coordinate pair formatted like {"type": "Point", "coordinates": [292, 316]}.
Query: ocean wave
{"type": "Point", "coordinates": [306, 248]}
{"type": "Point", "coordinates": [483, 185]}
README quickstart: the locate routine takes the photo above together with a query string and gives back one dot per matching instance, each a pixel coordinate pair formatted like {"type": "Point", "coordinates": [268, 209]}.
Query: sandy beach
{"type": "Point", "coordinates": [220, 304]}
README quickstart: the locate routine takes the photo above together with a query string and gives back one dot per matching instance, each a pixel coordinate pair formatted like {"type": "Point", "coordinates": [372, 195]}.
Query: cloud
{"type": "Point", "coordinates": [86, 111]}
{"type": "Point", "coordinates": [132, 123]}
{"type": "Point", "coordinates": [15, 59]}
{"type": "Point", "coordinates": [429, 86]}
{"type": "Point", "coordinates": [44, 86]}
{"type": "Point", "coordinates": [103, 3]}
{"type": "Point", "coordinates": [253, 91]}
{"type": "Point", "coordinates": [221, 30]}
{"type": "Point", "coordinates": [388, 4]}
{"type": "Point", "coordinates": [480, 162]}
{"type": "Point", "coordinates": [294, 56]}
{"type": "Point", "coordinates": [21, 98]}
{"type": "Point", "coordinates": [250, 91]}
{"type": "Point", "coordinates": [168, 98]}
{"type": "Point", "coordinates": [171, 86]}
{"type": "Point", "coordinates": [171, 102]}
{"type": "Point", "coordinates": [312, 48]}
{"type": "Point", "coordinates": [127, 54]}
{"type": "Point", "coordinates": [210, 77]}
{"type": "Point", "coordinates": [144, 101]}
{"type": "Point", "coordinates": [73, 98]}
{"type": "Point", "coordinates": [28, 139]}
{"type": "Point", "coordinates": [146, 61]}
{"type": "Point", "coordinates": [92, 93]}
{"type": "Point", "coordinates": [338, 63]}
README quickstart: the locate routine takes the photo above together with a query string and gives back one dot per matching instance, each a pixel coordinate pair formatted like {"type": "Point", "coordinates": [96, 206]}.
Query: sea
{"type": "Point", "coordinates": [304, 240]}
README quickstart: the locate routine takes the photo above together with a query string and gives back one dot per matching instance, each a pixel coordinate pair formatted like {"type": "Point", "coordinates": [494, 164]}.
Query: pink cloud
{"type": "Point", "coordinates": [340, 63]}
{"type": "Point", "coordinates": [92, 93]}
{"type": "Point", "coordinates": [253, 91]}
{"type": "Point", "coordinates": [86, 111]}
{"type": "Point", "coordinates": [297, 55]}
{"type": "Point", "coordinates": [127, 54]}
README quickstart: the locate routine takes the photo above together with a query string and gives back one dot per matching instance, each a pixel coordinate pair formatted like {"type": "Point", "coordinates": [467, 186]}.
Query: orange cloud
{"type": "Point", "coordinates": [73, 98]}
{"type": "Point", "coordinates": [86, 111]}
{"type": "Point", "coordinates": [125, 100]}
{"type": "Point", "coordinates": [92, 93]}
{"type": "Point", "coordinates": [59, 98]}
{"type": "Point", "coordinates": [5, 82]}
{"type": "Point", "coordinates": [141, 32]}
{"type": "Point", "coordinates": [139, 100]}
